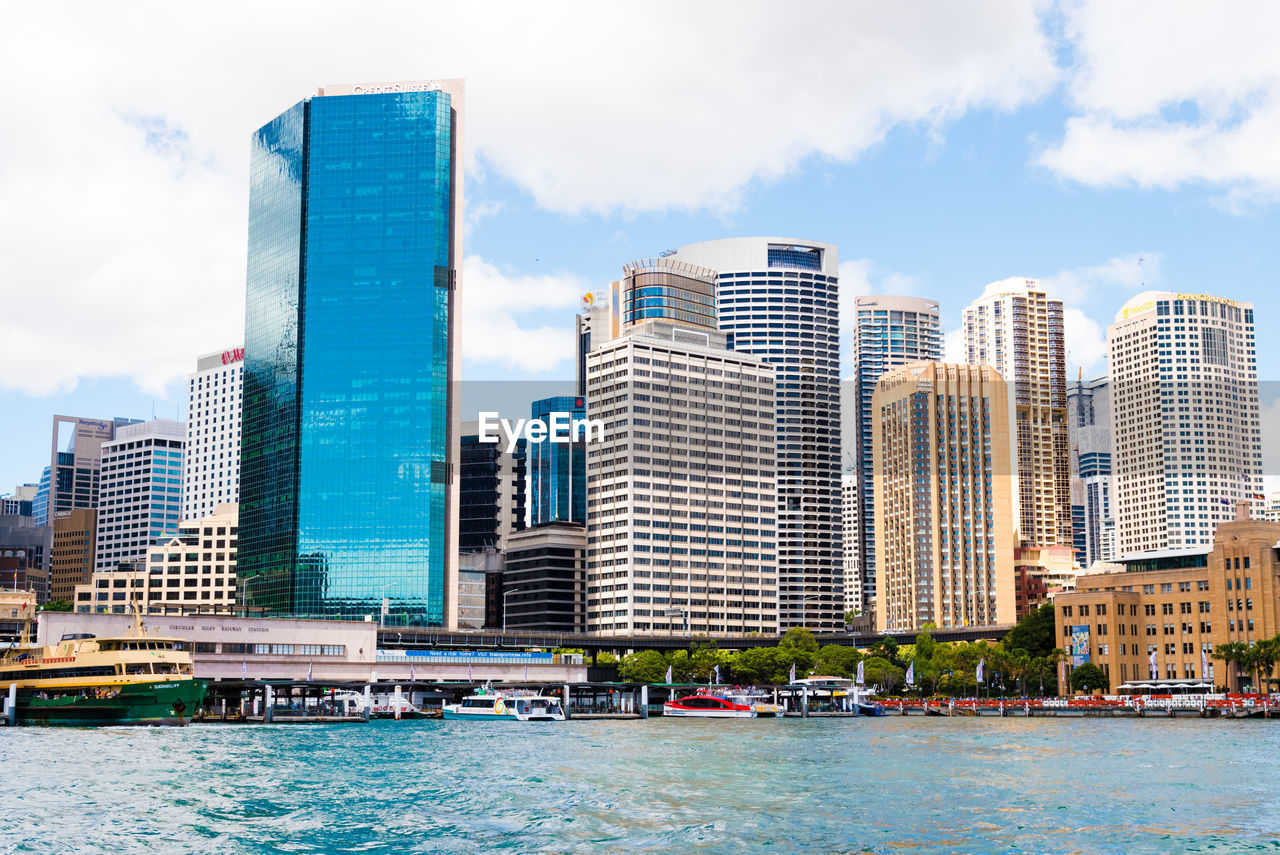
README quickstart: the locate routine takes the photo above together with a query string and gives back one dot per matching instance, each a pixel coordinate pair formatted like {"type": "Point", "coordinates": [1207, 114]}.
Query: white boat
{"type": "Point", "coordinates": [760, 702]}
{"type": "Point", "coordinates": [727, 703]}
{"type": "Point", "coordinates": [506, 706]}
{"type": "Point", "coordinates": [380, 706]}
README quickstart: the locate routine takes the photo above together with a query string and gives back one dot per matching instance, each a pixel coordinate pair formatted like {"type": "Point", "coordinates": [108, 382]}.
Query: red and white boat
{"type": "Point", "coordinates": [707, 704]}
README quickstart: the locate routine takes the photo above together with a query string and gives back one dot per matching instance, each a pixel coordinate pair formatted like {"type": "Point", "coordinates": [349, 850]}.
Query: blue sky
{"type": "Point", "coordinates": [1058, 142]}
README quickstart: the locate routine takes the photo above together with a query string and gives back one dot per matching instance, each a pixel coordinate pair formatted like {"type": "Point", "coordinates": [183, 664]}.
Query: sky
{"type": "Point", "coordinates": [1104, 148]}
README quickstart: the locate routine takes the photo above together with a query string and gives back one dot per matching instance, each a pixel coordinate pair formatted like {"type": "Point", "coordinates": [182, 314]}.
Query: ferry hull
{"type": "Point", "coordinates": [168, 702]}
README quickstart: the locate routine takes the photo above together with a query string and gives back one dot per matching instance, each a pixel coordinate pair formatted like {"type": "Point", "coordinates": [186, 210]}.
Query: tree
{"type": "Point", "coordinates": [58, 606]}
{"type": "Point", "coordinates": [837, 660]}
{"type": "Point", "coordinates": [852, 615]}
{"type": "Point", "coordinates": [799, 638]}
{"type": "Point", "coordinates": [644, 666]}
{"type": "Point", "coordinates": [1034, 633]}
{"type": "Point", "coordinates": [878, 671]}
{"type": "Point", "coordinates": [1231, 653]}
{"type": "Point", "coordinates": [885, 648]}
{"type": "Point", "coordinates": [1088, 677]}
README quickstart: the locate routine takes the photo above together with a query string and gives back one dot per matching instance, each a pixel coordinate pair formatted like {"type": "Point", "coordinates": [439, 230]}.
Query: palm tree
{"type": "Point", "coordinates": [1267, 656]}
{"type": "Point", "coordinates": [1057, 655]}
{"type": "Point", "coordinates": [1232, 652]}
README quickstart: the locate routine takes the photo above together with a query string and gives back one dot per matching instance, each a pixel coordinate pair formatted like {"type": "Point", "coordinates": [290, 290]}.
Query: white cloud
{"type": "Point", "coordinates": [953, 345]}
{"type": "Point", "coordinates": [499, 323]}
{"type": "Point", "coordinates": [1170, 93]}
{"type": "Point", "coordinates": [124, 148]}
{"type": "Point", "coordinates": [856, 280]}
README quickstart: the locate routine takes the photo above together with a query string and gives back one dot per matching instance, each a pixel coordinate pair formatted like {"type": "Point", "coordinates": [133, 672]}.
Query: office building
{"type": "Point", "coordinates": [480, 589]}
{"type": "Point", "coordinates": [1118, 621]}
{"type": "Point", "coordinates": [1017, 329]}
{"type": "Point", "coordinates": [75, 537]}
{"type": "Point", "coordinates": [193, 572]}
{"type": "Point", "coordinates": [141, 492]}
{"type": "Point", "coordinates": [1092, 491]}
{"type": "Point", "coordinates": [214, 395]}
{"type": "Point", "coordinates": [349, 450]}
{"type": "Point", "coordinates": [887, 332]}
{"type": "Point", "coordinates": [1184, 418]}
{"type": "Point", "coordinates": [24, 552]}
{"type": "Point", "coordinates": [558, 465]}
{"type": "Point", "coordinates": [944, 462]}
{"type": "Point", "coordinates": [19, 502]}
{"type": "Point", "coordinates": [778, 299]}
{"type": "Point", "coordinates": [681, 498]}
{"type": "Point", "coordinates": [75, 458]}
{"type": "Point", "coordinates": [544, 584]}
{"type": "Point", "coordinates": [491, 494]}
{"type": "Point", "coordinates": [853, 601]}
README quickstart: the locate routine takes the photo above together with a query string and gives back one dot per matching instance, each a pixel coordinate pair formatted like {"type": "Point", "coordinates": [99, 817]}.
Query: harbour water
{"type": "Point", "coordinates": [885, 785]}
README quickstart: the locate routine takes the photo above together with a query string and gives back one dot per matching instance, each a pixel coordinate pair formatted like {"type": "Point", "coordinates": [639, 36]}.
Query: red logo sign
{"type": "Point", "coordinates": [234, 355]}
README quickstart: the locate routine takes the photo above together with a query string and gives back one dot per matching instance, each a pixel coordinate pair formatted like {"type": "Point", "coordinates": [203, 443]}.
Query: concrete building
{"type": "Point", "coordinates": [491, 493]}
{"type": "Point", "coordinates": [681, 497]}
{"type": "Point", "coordinates": [214, 396]}
{"type": "Point", "coordinates": [191, 573]}
{"type": "Point", "coordinates": [1184, 418]}
{"type": "Point", "coordinates": [544, 585]}
{"type": "Point", "coordinates": [778, 299]}
{"type": "Point", "coordinates": [1017, 329]}
{"type": "Point", "coordinates": [141, 494]}
{"type": "Point", "coordinates": [480, 589]}
{"type": "Point", "coordinates": [75, 538]}
{"type": "Point", "coordinates": [24, 553]}
{"type": "Point", "coordinates": [887, 332]}
{"type": "Point", "coordinates": [350, 448]}
{"type": "Point", "coordinates": [849, 544]}
{"type": "Point", "coordinates": [1120, 621]}
{"type": "Point", "coordinates": [19, 503]}
{"type": "Point", "coordinates": [944, 505]}
{"type": "Point", "coordinates": [1271, 510]}
{"type": "Point", "coordinates": [75, 459]}
{"type": "Point", "coordinates": [1092, 488]}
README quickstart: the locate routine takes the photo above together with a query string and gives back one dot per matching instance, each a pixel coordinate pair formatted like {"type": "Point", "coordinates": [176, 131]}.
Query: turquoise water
{"type": "Point", "coordinates": [836, 785]}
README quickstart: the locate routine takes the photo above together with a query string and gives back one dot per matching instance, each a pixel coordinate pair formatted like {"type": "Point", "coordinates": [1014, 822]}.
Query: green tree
{"type": "Point", "coordinates": [837, 660]}
{"type": "Point", "coordinates": [644, 666]}
{"type": "Point", "coordinates": [885, 648]}
{"type": "Point", "coordinates": [1231, 653]}
{"type": "Point", "coordinates": [58, 606]}
{"type": "Point", "coordinates": [852, 615]}
{"type": "Point", "coordinates": [799, 638]}
{"type": "Point", "coordinates": [880, 672]}
{"type": "Point", "coordinates": [1088, 677]}
{"type": "Point", "coordinates": [1034, 633]}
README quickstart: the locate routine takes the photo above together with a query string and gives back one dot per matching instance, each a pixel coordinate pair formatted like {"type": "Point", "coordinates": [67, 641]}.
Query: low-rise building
{"type": "Point", "coordinates": [1171, 615]}
{"type": "Point", "coordinates": [544, 586]}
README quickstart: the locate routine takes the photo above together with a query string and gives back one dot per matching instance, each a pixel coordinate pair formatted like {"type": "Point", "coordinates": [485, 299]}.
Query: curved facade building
{"type": "Point", "coordinates": [778, 299]}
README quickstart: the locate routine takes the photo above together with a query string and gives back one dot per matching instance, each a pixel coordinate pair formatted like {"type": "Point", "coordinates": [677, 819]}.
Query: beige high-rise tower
{"type": "Point", "coordinates": [943, 462]}
{"type": "Point", "coordinates": [1017, 329]}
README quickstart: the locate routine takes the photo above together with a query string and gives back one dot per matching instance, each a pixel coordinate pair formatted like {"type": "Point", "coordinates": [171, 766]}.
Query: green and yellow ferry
{"type": "Point", "coordinates": [83, 681]}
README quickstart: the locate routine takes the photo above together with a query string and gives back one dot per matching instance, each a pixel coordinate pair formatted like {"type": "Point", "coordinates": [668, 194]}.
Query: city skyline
{"type": "Point", "coordinates": [929, 189]}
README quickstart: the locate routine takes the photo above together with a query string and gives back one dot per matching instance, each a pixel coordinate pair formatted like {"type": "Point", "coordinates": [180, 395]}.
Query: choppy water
{"type": "Point", "coordinates": [887, 785]}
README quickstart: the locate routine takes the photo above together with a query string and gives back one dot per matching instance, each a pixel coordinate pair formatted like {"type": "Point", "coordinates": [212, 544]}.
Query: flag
{"type": "Point", "coordinates": [1204, 664]}
{"type": "Point", "coordinates": [792, 677]}
{"type": "Point", "coordinates": [1224, 501]}
{"type": "Point", "coordinates": [309, 664]}
{"type": "Point", "coordinates": [861, 673]}
{"type": "Point", "coordinates": [1155, 672]}
{"type": "Point", "coordinates": [911, 674]}
{"type": "Point", "coordinates": [669, 680]}
{"type": "Point", "coordinates": [244, 670]}
{"type": "Point", "coordinates": [977, 675]}
{"type": "Point", "coordinates": [468, 672]}
{"type": "Point", "coordinates": [717, 671]}
{"type": "Point", "coordinates": [410, 672]}
{"type": "Point", "coordinates": [1260, 497]}
{"type": "Point", "coordinates": [526, 673]}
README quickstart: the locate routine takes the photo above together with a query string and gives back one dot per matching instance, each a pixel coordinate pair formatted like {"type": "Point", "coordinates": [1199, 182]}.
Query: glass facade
{"type": "Point", "coordinates": [558, 470]}
{"type": "Point", "coordinates": [344, 463]}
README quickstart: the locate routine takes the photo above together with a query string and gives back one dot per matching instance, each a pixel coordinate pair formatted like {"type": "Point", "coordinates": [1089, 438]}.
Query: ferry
{"type": "Point", "coordinates": [506, 706]}
{"type": "Point", "coordinates": [85, 681]}
{"type": "Point", "coordinates": [706, 703]}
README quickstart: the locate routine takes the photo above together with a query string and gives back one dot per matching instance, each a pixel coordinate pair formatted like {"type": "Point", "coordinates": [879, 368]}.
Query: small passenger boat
{"type": "Point", "coordinates": [707, 704]}
{"type": "Point", "coordinates": [506, 706]}
{"type": "Point", "coordinates": [871, 708]}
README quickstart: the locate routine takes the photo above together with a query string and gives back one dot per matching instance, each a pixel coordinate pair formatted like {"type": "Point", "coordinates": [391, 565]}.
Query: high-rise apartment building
{"type": "Point", "coordinates": [75, 537]}
{"type": "Point", "coordinates": [778, 299]}
{"type": "Point", "coordinates": [681, 498]}
{"type": "Point", "coordinates": [1184, 418]}
{"type": "Point", "coordinates": [214, 395]}
{"type": "Point", "coordinates": [1092, 491]}
{"type": "Point", "coordinates": [887, 332]}
{"type": "Point", "coordinates": [944, 505]}
{"type": "Point", "coordinates": [140, 501]}
{"type": "Point", "coordinates": [558, 465]}
{"type": "Point", "coordinates": [849, 540]}
{"type": "Point", "coordinates": [349, 451]}
{"type": "Point", "coordinates": [491, 493]}
{"type": "Point", "coordinates": [1017, 329]}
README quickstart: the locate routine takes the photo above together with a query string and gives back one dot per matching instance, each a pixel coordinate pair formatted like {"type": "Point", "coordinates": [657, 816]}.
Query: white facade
{"type": "Point", "coordinates": [849, 541]}
{"type": "Point", "coordinates": [1092, 485]}
{"type": "Point", "coordinates": [1184, 419]}
{"type": "Point", "coordinates": [681, 498]}
{"type": "Point", "coordinates": [1017, 330]}
{"type": "Point", "coordinates": [214, 396]}
{"type": "Point", "coordinates": [778, 299]}
{"type": "Point", "coordinates": [140, 496]}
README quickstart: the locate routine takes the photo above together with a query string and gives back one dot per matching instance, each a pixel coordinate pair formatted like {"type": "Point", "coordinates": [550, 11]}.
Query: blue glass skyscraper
{"type": "Point", "coordinates": [348, 491]}
{"type": "Point", "coordinates": [558, 470]}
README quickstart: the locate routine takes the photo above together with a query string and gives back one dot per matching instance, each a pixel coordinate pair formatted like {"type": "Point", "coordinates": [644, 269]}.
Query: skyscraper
{"type": "Point", "coordinates": [849, 538]}
{"type": "Point", "coordinates": [141, 495]}
{"type": "Point", "coordinates": [1017, 329]}
{"type": "Point", "coordinates": [1184, 418]}
{"type": "Point", "coordinates": [944, 501]}
{"type": "Point", "coordinates": [778, 299]}
{"type": "Point", "coordinates": [681, 502]}
{"type": "Point", "coordinates": [348, 487]}
{"type": "Point", "coordinates": [215, 393]}
{"type": "Point", "coordinates": [491, 493]}
{"type": "Point", "coordinates": [887, 332]}
{"type": "Point", "coordinates": [75, 461]}
{"type": "Point", "coordinates": [1092, 490]}
{"type": "Point", "coordinates": [558, 469]}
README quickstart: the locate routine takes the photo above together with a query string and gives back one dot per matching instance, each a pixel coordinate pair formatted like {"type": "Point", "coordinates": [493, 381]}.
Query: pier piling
{"type": "Point", "coordinates": [11, 706]}
{"type": "Point", "coordinates": [644, 701]}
